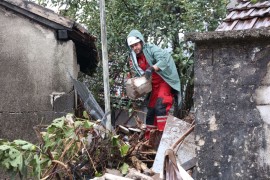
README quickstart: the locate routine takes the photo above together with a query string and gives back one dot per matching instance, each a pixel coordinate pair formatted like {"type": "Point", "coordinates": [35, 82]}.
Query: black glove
{"type": "Point", "coordinates": [148, 72]}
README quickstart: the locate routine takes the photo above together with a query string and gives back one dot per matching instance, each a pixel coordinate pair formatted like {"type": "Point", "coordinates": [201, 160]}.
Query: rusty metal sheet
{"type": "Point", "coordinates": [174, 129]}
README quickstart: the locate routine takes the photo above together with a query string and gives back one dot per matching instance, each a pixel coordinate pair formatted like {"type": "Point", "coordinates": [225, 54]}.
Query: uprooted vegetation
{"type": "Point", "coordinates": [75, 148]}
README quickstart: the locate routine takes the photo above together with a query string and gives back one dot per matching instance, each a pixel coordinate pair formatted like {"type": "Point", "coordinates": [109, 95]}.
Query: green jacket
{"type": "Point", "coordinates": [159, 57]}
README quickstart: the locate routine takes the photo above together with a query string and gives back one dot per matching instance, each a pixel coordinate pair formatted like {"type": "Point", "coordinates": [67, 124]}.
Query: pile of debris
{"type": "Point", "coordinates": [74, 148]}
{"type": "Point", "coordinates": [158, 157]}
{"type": "Point", "coordinates": [143, 154]}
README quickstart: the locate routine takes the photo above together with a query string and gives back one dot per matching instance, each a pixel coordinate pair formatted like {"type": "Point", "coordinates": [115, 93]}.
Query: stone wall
{"type": "Point", "coordinates": [232, 101]}
{"type": "Point", "coordinates": [34, 79]}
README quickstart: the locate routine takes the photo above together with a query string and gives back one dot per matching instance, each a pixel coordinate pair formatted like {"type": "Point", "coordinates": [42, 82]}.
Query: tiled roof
{"type": "Point", "coordinates": [45, 16]}
{"type": "Point", "coordinates": [247, 15]}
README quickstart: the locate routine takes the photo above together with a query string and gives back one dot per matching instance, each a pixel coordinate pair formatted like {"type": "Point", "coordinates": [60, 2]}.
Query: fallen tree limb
{"type": "Point", "coordinates": [139, 165]}
{"type": "Point", "coordinates": [183, 137]}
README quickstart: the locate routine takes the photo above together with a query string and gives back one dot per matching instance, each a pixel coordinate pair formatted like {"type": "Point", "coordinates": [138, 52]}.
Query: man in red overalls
{"type": "Point", "coordinates": [158, 65]}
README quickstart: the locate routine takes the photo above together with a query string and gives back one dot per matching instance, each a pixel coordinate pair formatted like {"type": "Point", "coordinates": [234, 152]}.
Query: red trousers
{"type": "Point", "coordinates": [161, 101]}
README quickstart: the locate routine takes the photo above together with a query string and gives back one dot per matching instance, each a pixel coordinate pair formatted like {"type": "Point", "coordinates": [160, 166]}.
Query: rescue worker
{"type": "Point", "coordinates": [158, 65]}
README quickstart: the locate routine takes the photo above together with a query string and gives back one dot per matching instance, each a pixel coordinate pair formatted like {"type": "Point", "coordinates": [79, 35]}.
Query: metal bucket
{"type": "Point", "coordinates": [138, 87]}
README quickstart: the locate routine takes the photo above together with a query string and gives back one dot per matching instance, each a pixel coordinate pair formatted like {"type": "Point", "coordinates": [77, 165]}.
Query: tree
{"type": "Point", "coordinates": [162, 20]}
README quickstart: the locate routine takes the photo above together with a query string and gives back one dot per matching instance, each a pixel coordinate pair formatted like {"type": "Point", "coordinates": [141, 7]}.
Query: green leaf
{"type": "Point", "coordinates": [49, 144]}
{"type": "Point", "coordinates": [115, 140]}
{"type": "Point", "coordinates": [25, 145]}
{"type": "Point", "coordinates": [42, 160]}
{"type": "Point", "coordinates": [17, 161]}
{"type": "Point", "coordinates": [4, 147]}
{"type": "Point", "coordinates": [78, 123]}
{"type": "Point", "coordinates": [254, 1]}
{"type": "Point", "coordinates": [36, 166]}
{"type": "Point", "coordinates": [85, 115]}
{"type": "Point", "coordinates": [29, 147]}
{"type": "Point", "coordinates": [98, 174]}
{"type": "Point", "coordinates": [6, 163]}
{"type": "Point", "coordinates": [13, 153]}
{"type": "Point", "coordinates": [88, 124]}
{"type": "Point", "coordinates": [69, 132]}
{"type": "Point", "coordinates": [58, 123]}
{"type": "Point", "coordinates": [29, 158]}
{"type": "Point", "coordinates": [124, 168]}
{"type": "Point", "coordinates": [20, 142]}
{"type": "Point", "coordinates": [124, 149]}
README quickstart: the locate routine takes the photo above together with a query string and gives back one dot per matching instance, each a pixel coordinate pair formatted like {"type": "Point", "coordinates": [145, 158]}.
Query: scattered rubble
{"type": "Point", "coordinates": [81, 148]}
{"type": "Point", "coordinates": [75, 148]}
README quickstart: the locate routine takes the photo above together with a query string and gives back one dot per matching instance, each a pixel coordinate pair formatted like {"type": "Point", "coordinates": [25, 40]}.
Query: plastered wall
{"type": "Point", "coordinates": [34, 78]}
{"type": "Point", "coordinates": [232, 102]}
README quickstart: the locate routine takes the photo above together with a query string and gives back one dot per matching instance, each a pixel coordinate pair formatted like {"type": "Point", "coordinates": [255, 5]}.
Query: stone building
{"type": "Point", "coordinates": [39, 50]}
{"type": "Point", "coordinates": [232, 95]}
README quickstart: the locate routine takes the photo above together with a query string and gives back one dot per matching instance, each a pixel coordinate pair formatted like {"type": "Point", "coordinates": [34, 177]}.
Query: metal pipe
{"type": "Point", "coordinates": [105, 64]}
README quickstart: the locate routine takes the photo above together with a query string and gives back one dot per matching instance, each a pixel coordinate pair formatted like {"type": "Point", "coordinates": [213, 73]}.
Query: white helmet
{"type": "Point", "coordinates": [132, 40]}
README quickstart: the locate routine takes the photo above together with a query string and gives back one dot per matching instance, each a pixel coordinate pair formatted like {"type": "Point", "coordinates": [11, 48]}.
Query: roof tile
{"type": "Point", "coordinates": [261, 12]}
{"type": "Point", "coordinates": [242, 5]}
{"type": "Point", "coordinates": [245, 24]}
{"type": "Point", "coordinates": [262, 22]}
{"type": "Point", "coordinates": [259, 4]}
{"type": "Point", "coordinates": [247, 15]}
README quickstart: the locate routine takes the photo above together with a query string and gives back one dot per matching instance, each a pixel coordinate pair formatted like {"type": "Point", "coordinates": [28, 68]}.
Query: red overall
{"type": "Point", "coordinates": [161, 99]}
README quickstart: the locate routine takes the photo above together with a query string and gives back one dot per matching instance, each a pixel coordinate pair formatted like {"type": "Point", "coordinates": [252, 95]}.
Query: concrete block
{"type": "Point", "coordinates": [174, 129]}
{"type": "Point", "coordinates": [266, 79]}
{"type": "Point", "coordinates": [262, 96]}
{"type": "Point", "coordinates": [265, 113]}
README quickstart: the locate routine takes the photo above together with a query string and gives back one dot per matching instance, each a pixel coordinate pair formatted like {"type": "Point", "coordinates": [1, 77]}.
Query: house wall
{"type": "Point", "coordinates": [34, 70]}
{"type": "Point", "coordinates": [232, 101]}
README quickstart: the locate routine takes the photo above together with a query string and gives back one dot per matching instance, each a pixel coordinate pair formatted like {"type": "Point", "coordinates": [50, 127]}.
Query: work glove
{"type": "Point", "coordinates": [148, 72]}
